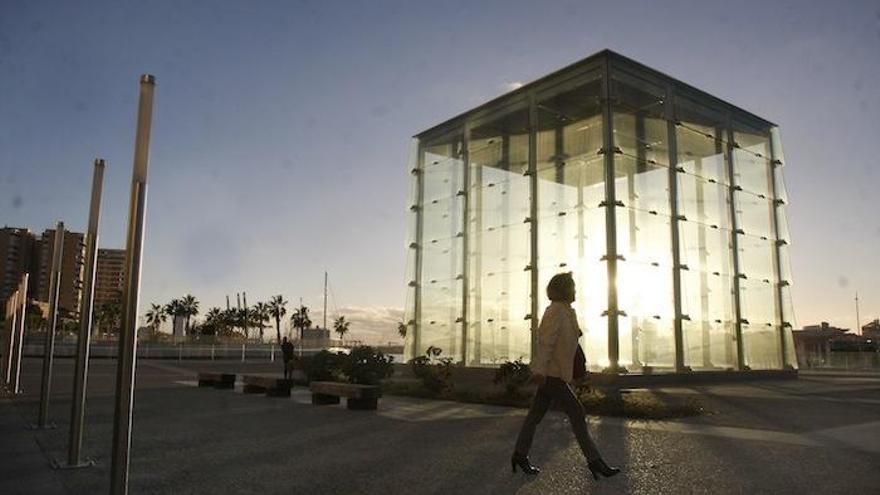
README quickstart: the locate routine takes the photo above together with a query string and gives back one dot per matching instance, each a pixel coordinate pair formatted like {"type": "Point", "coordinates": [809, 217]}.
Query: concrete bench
{"type": "Point", "coordinates": [216, 380]}
{"type": "Point", "coordinates": [356, 396]}
{"type": "Point", "coordinates": [270, 385]}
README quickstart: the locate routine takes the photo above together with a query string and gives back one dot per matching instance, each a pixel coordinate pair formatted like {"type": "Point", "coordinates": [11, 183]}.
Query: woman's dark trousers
{"type": "Point", "coordinates": [556, 390]}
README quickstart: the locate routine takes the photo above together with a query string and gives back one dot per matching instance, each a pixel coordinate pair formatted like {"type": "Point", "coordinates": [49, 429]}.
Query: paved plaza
{"type": "Point", "coordinates": [817, 434]}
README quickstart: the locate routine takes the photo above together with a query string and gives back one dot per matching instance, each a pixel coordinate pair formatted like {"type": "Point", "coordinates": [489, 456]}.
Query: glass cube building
{"type": "Point", "coordinates": [667, 205]}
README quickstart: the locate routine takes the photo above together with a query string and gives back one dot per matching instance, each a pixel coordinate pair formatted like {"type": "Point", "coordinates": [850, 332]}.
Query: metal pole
{"type": "Point", "coordinates": [49, 349]}
{"type": "Point", "coordinates": [611, 257]}
{"type": "Point", "coordinates": [80, 377]}
{"type": "Point", "coordinates": [133, 254]}
{"type": "Point", "coordinates": [533, 229]}
{"type": "Point", "coordinates": [245, 318]}
{"type": "Point", "coordinates": [9, 338]}
{"type": "Point", "coordinates": [676, 217]}
{"type": "Point", "coordinates": [325, 300]}
{"type": "Point", "coordinates": [736, 232]}
{"type": "Point", "coordinates": [15, 352]}
{"type": "Point", "coordinates": [242, 353]}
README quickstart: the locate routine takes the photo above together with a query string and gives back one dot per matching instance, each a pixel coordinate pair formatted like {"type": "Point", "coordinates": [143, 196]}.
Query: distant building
{"type": "Point", "coordinates": [16, 257]}
{"type": "Point", "coordinates": [72, 260]}
{"type": "Point", "coordinates": [109, 276]}
{"type": "Point", "coordinates": [872, 330]}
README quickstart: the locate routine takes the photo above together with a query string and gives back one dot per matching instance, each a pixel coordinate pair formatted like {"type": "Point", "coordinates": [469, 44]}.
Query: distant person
{"type": "Point", "coordinates": [287, 356]}
{"type": "Point", "coordinates": [552, 368]}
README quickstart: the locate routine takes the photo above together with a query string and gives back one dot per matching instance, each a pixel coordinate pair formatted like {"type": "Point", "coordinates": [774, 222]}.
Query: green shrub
{"type": "Point", "coordinates": [324, 366]}
{"type": "Point", "coordinates": [435, 374]}
{"type": "Point", "coordinates": [513, 375]}
{"type": "Point", "coordinates": [367, 366]}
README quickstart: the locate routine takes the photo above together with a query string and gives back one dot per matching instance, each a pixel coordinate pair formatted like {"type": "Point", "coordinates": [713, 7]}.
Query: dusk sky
{"type": "Point", "coordinates": [281, 130]}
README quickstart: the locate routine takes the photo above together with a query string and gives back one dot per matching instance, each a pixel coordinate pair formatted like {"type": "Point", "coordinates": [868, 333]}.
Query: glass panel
{"type": "Point", "coordinates": [754, 215]}
{"type": "Point", "coordinates": [756, 258]}
{"type": "Point", "coordinates": [761, 347]}
{"type": "Point", "coordinates": [758, 301]}
{"type": "Point", "coordinates": [571, 224]}
{"type": "Point", "coordinates": [644, 233]}
{"type": "Point", "coordinates": [708, 327]}
{"type": "Point", "coordinates": [705, 242]}
{"type": "Point", "coordinates": [499, 240]}
{"type": "Point", "coordinates": [441, 247]}
{"type": "Point", "coordinates": [751, 162]}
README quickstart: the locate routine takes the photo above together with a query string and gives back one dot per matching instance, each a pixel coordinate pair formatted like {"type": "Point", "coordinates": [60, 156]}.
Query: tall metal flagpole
{"type": "Point", "coordinates": [858, 317]}
{"type": "Point", "coordinates": [325, 300]}
{"type": "Point", "coordinates": [133, 255]}
{"type": "Point", "coordinates": [49, 349]}
{"type": "Point", "coordinates": [80, 376]}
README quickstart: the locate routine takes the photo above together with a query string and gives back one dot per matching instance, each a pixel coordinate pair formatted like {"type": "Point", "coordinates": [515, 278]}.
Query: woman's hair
{"type": "Point", "coordinates": [561, 287]}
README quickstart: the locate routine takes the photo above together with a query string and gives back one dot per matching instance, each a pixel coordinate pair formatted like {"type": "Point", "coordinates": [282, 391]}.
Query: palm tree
{"type": "Point", "coordinates": [108, 316]}
{"type": "Point", "coordinates": [190, 308]}
{"type": "Point", "coordinates": [300, 320]}
{"type": "Point", "coordinates": [214, 322]}
{"type": "Point", "coordinates": [155, 317]}
{"type": "Point", "coordinates": [261, 315]}
{"type": "Point", "coordinates": [277, 311]}
{"type": "Point", "coordinates": [340, 326]}
{"type": "Point", "coordinates": [174, 309]}
{"type": "Point", "coordinates": [401, 329]}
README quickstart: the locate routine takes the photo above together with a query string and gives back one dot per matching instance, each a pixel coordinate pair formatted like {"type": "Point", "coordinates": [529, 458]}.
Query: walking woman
{"type": "Point", "coordinates": [552, 368]}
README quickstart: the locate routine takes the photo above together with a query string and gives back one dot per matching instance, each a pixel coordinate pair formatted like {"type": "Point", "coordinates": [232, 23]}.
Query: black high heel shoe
{"type": "Point", "coordinates": [598, 467]}
{"type": "Point", "coordinates": [523, 462]}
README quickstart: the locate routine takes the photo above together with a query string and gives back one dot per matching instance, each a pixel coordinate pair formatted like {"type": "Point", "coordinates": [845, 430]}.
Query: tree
{"type": "Point", "coordinates": [300, 320]}
{"type": "Point", "coordinates": [175, 310]}
{"type": "Point", "coordinates": [260, 315]}
{"type": "Point", "coordinates": [340, 326]}
{"type": "Point", "coordinates": [214, 323]}
{"type": "Point", "coordinates": [277, 311]}
{"type": "Point", "coordinates": [401, 329]}
{"type": "Point", "coordinates": [108, 317]}
{"type": "Point", "coordinates": [155, 317]}
{"type": "Point", "coordinates": [190, 308]}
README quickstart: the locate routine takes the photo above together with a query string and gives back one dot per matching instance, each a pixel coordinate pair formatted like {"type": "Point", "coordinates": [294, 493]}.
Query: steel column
{"type": "Point", "coordinates": [611, 256]}
{"type": "Point", "coordinates": [775, 164]}
{"type": "Point", "coordinates": [675, 217]}
{"type": "Point", "coordinates": [533, 222]}
{"type": "Point", "coordinates": [15, 352]}
{"type": "Point", "coordinates": [49, 347]}
{"type": "Point", "coordinates": [80, 376]}
{"type": "Point", "coordinates": [133, 254]}
{"type": "Point", "coordinates": [740, 357]}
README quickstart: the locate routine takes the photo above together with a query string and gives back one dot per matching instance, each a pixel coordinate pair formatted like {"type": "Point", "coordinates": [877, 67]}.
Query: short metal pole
{"type": "Point", "coordinates": [133, 256]}
{"type": "Point", "coordinates": [271, 353]}
{"type": "Point", "coordinates": [179, 351]}
{"type": "Point", "coordinates": [49, 348]}
{"type": "Point", "coordinates": [212, 352]}
{"type": "Point", "coordinates": [15, 352]}
{"type": "Point", "coordinates": [242, 353]}
{"type": "Point", "coordinates": [80, 377]}
{"type": "Point", "coordinates": [9, 338]}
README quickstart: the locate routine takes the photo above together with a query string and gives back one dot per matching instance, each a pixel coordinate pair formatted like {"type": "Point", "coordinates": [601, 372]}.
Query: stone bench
{"type": "Point", "coordinates": [270, 385]}
{"type": "Point", "coordinates": [356, 396]}
{"type": "Point", "coordinates": [216, 380]}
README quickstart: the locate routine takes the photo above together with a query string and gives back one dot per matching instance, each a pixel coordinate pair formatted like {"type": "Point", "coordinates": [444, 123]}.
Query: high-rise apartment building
{"type": "Point", "coordinates": [109, 276]}
{"type": "Point", "coordinates": [16, 255]}
{"type": "Point", "coordinates": [72, 259]}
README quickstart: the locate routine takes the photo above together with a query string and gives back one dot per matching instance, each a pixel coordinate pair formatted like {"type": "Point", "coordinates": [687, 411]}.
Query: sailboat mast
{"type": "Point", "coordinates": [325, 299]}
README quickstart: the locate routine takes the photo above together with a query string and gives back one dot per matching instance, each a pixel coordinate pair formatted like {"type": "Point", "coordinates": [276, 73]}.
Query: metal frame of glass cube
{"type": "Point", "coordinates": [665, 203]}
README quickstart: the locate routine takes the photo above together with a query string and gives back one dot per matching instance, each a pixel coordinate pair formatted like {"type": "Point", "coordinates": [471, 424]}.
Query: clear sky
{"type": "Point", "coordinates": [281, 129]}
